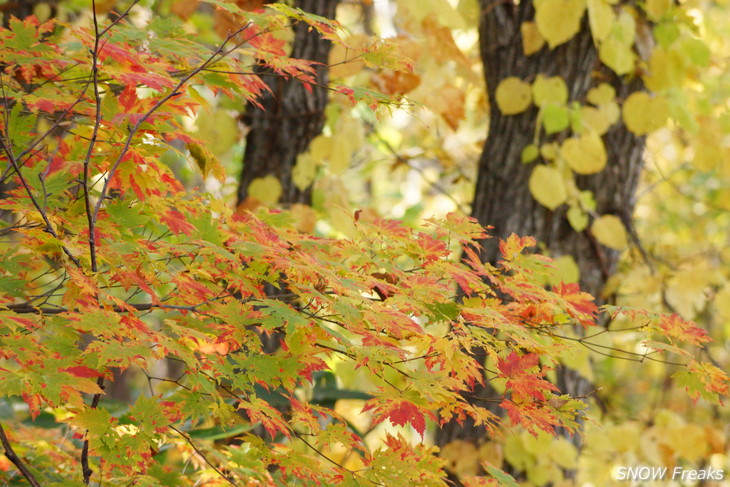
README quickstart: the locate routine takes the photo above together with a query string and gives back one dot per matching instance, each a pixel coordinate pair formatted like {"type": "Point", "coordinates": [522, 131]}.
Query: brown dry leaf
{"type": "Point", "coordinates": [185, 9]}
{"type": "Point", "coordinates": [395, 82]}
{"type": "Point", "coordinates": [452, 105]}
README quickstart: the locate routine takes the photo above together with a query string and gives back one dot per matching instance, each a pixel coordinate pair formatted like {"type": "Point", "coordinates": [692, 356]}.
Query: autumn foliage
{"type": "Point", "coordinates": [110, 265]}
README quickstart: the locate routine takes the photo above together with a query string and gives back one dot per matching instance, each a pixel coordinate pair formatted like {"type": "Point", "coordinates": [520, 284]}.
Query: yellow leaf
{"type": "Point", "coordinates": [689, 441]}
{"type": "Point", "coordinates": [657, 9]}
{"type": "Point", "coordinates": [462, 457]}
{"type": "Point", "coordinates": [547, 186]}
{"type": "Point", "coordinates": [584, 154]}
{"type": "Point", "coordinates": [609, 231]}
{"type": "Point", "coordinates": [539, 445]}
{"type": "Point", "coordinates": [267, 190]}
{"type": "Point", "coordinates": [686, 291]}
{"type": "Point", "coordinates": [532, 41]}
{"type": "Point", "coordinates": [666, 69]}
{"type": "Point", "coordinates": [603, 93]}
{"type": "Point", "coordinates": [722, 302]}
{"type": "Point", "coordinates": [558, 20]}
{"type": "Point", "coordinates": [549, 151]}
{"type": "Point", "coordinates": [577, 218]}
{"type": "Point", "coordinates": [596, 120]}
{"type": "Point", "coordinates": [564, 270]}
{"type": "Point", "coordinates": [624, 437]}
{"type": "Point", "coordinates": [601, 18]}
{"type": "Point", "coordinates": [564, 453]}
{"type": "Point", "coordinates": [513, 96]}
{"type": "Point", "coordinates": [617, 55]}
{"type": "Point", "coordinates": [644, 114]}
{"type": "Point", "coordinates": [708, 146]}
{"type": "Point", "coordinates": [304, 171]}
{"type": "Point", "coordinates": [549, 90]}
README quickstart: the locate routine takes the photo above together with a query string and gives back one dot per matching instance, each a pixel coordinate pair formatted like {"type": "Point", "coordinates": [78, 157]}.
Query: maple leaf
{"type": "Point", "coordinates": [523, 383]}
{"type": "Point", "coordinates": [514, 246]}
{"type": "Point", "coordinates": [400, 412]}
{"type": "Point", "coordinates": [177, 222]}
{"type": "Point", "coordinates": [581, 305]}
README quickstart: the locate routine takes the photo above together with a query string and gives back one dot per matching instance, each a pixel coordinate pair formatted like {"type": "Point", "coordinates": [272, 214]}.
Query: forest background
{"type": "Point", "coordinates": [601, 131]}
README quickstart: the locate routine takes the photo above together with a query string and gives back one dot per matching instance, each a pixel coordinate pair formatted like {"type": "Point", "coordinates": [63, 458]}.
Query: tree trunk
{"type": "Point", "coordinates": [292, 116]}
{"type": "Point", "coordinates": [502, 198]}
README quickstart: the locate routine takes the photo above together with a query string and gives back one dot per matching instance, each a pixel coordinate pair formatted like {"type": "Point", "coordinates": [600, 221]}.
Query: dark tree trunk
{"type": "Point", "coordinates": [24, 8]}
{"type": "Point", "coordinates": [502, 198]}
{"type": "Point", "coordinates": [292, 116]}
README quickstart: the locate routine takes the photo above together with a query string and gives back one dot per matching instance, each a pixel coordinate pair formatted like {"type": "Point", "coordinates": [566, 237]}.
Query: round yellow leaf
{"type": "Point", "coordinates": [532, 41]}
{"type": "Point", "coordinates": [547, 186]}
{"type": "Point", "coordinates": [547, 90]}
{"type": "Point", "coordinates": [657, 9]}
{"type": "Point", "coordinates": [600, 18]}
{"type": "Point", "coordinates": [595, 119]}
{"type": "Point", "coordinates": [644, 114]}
{"type": "Point", "coordinates": [603, 93]}
{"type": "Point", "coordinates": [513, 96]}
{"type": "Point", "coordinates": [558, 20]}
{"type": "Point", "coordinates": [564, 270]}
{"type": "Point", "coordinates": [609, 231]}
{"type": "Point", "coordinates": [585, 154]}
{"type": "Point", "coordinates": [267, 190]}
{"type": "Point", "coordinates": [617, 55]}
{"type": "Point", "coordinates": [564, 453]}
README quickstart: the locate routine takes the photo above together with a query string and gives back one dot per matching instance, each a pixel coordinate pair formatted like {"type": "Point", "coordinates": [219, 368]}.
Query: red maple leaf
{"type": "Point", "coordinates": [177, 222]}
{"type": "Point", "coordinates": [400, 412]}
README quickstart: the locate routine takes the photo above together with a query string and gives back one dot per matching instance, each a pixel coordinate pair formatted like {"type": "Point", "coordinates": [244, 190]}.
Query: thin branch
{"type": "Point", "coordinates": [85, 468]}
{"type": "Point", "coordinates": [134, 129]}
{"type": "Point", "coordinates": [199, 452]}
{"type": "Point", "coordinates": [17, 461]}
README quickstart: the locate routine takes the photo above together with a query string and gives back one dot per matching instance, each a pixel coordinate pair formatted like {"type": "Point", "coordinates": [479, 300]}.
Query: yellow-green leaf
{"type": "Point", "coordinates": [267, 190]}
{"type": "Point", "coordinates": [549, 90]}
{"type": "Point", "coordinates": [529, 153]}
{"type": "Point", "coordinates": [554, 117]}
{"type": "Point", "coordinates": [577, 218]}
{"type": "Point", "coordinates": [644, 114]}
{"type": "Point", "coordinates": [609, 231]}
{"type": "Point", "coordinates": [559, 20]}
{"type": "Point", "coordinates": [547, 186]}
{"type": "Point", "coordinates": [513, 95]}
{"type": "Point", "coordinates": [585, 154]}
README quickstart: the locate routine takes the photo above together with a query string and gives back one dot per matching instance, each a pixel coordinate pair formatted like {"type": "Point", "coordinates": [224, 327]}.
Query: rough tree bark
{"type": "Point", "coordinates": [502, 198]}
{"type": "Point", "coordinates": [292, 116]}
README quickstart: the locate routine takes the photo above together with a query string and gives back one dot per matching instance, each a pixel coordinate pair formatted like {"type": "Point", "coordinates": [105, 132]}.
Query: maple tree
{"type": "Point", "coordinates": [110, 264]}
